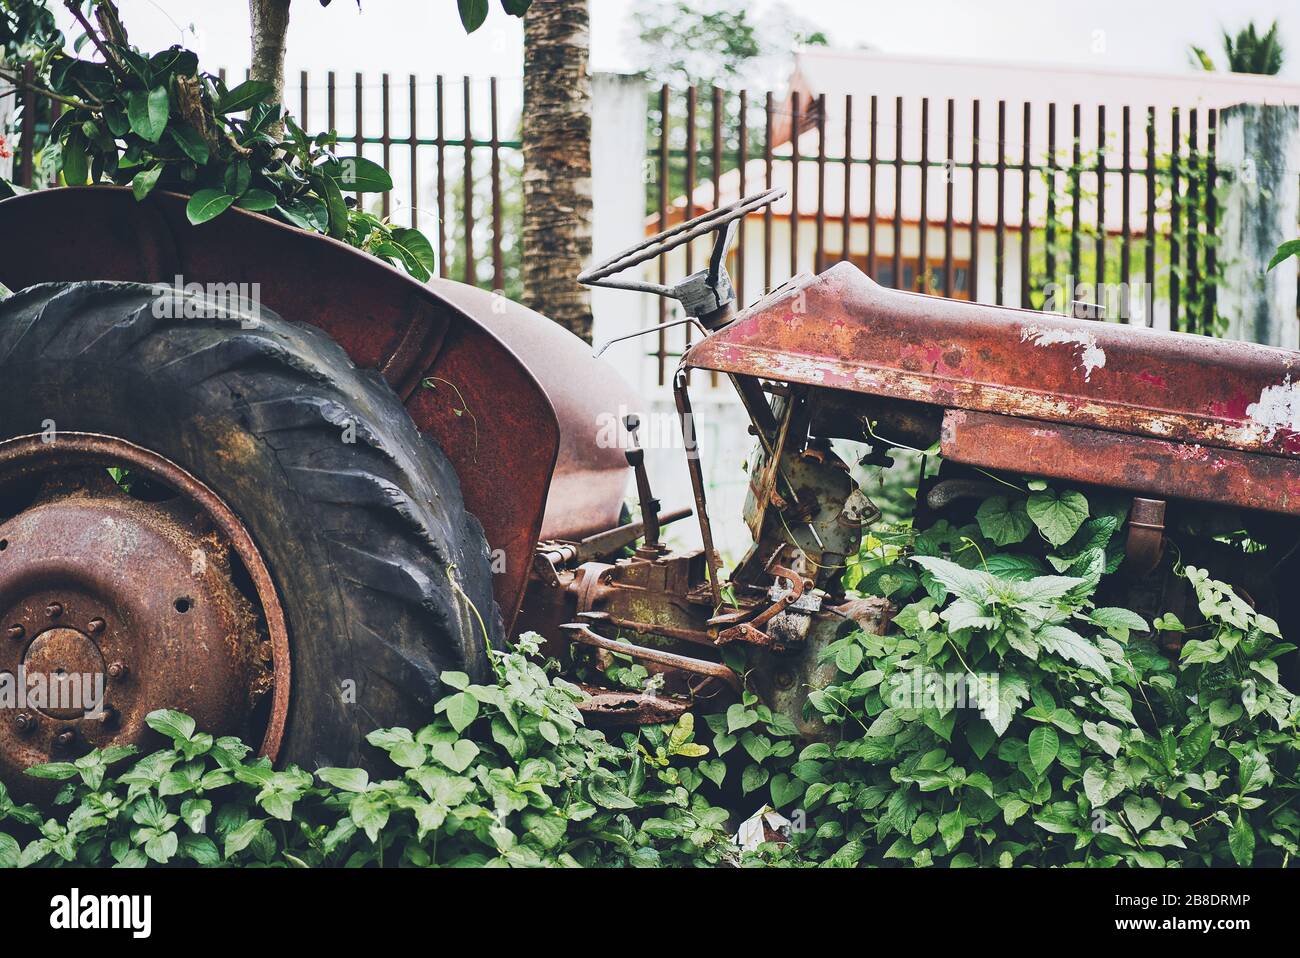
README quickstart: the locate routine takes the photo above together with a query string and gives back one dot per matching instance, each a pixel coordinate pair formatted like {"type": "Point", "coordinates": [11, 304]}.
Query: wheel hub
{"type": "Point", "coordinates": [112, 606]}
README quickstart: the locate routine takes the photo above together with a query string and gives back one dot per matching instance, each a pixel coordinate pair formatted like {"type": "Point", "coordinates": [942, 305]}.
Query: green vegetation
{"type": "Point", "coordinates": [1080, 743]}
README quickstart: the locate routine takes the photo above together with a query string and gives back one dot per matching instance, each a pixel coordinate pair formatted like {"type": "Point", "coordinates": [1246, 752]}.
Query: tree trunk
{"type": "Point", "coordinates": [270, 25]}
{"type": "Point", "coordinates": [557, 161]}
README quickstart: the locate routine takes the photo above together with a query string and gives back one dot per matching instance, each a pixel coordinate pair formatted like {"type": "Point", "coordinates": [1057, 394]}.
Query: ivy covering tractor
{"type": "Point", "coordinates": [286, 522]}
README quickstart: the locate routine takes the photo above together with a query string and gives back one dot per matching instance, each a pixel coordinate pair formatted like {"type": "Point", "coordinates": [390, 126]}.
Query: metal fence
{"type": "Point", "coordinates": [1112, 199]}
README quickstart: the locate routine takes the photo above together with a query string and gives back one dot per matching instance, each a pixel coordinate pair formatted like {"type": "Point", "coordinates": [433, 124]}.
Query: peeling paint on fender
{"type": "Point", "coordinates": [1092, 357]}
{"type": "Point", "coordinates": [1278, 408]}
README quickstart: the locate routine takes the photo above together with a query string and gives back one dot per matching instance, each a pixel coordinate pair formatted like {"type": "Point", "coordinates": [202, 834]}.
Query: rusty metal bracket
{"type": "Point", "coordinates": [668, 660]}
{"type": "Point", "coordinates": [1146, 535]}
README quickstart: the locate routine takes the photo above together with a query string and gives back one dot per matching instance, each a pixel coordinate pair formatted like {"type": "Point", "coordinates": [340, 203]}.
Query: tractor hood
{"type": "Point", "coordinates": [843, 331]}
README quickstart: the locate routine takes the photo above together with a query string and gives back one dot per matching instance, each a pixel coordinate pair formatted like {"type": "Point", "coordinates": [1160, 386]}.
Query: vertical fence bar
{"type": "Point", "coordinates": [302, 100]}
{"type": "Point", "coordinates": [1209, 298]}
{"type": "Point", "coordinates": [898, 193]}
{"type": "Point", "coordinates": [1076, 173]}
{"type": "Point", "coordinates": [949, 174]}
{"type": "Point", "coordinates": [471, 272]}
{"type": "Point", "coordinates": [922, 278]}
{"type": "Point", "coordinates": [1126, 227]}
{"type": "Point", "coordinates": [413, 145]}
{"type": "Point", "coordinates": [999, 237]}
{"type": "Point", "coordinates": [665, 176]}
{"type": "Point", "coordinates": [1049, 233]}
{"type": "Point", "coordinates": [820, 259]}
{"type": "Point", "coordinates": [871, 208]}
{"type": "Point", "coordinates": [796, 121]}
{"type": "Point", "coordinates": [742, 160]}
{"type": "Point", "coordinates": [359, 138]}
{"type": "Point", "coordinates": [974, 271]}
{"type": "Point", "coordinates": [1026, 169]}
{"type": "Point", "coordinates": [692, 151]}
{"type": "Point", "coordinates": [846, 226]}
{"type": "Point", "coordinates": [386, 142]}
{"type": "Point", "coordinates": [716, 146]}
{"type": "Point", "coordinates": [1175, 225]}
{"type": "Point", "coordinates": [1193, 223]}
{"type": "Point", "coordinates": [331, 102]}
{"type": "Point", "coordinates": [767, 210]}
{"type": "Point", "coordinates": [441, 147]}
{"type": "Point", "coordinates": [498, 267]}
{"type": "Point", "coordinates": [1100, 274]}
{"type": "Point", "coordinates": [1150, 232]}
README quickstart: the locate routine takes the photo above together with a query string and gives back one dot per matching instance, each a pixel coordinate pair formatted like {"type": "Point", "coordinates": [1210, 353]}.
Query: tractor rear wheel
{"type": "Point", "coordinates": [217, 512]}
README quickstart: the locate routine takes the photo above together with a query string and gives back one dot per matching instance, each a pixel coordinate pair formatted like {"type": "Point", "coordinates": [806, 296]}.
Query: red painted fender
{"type": "Point", "coordinates": [484, 403]}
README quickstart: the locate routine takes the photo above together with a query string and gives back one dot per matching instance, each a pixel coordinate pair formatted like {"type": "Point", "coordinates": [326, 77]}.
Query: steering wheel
{"type": "Point", "coordinates": [706, 294]}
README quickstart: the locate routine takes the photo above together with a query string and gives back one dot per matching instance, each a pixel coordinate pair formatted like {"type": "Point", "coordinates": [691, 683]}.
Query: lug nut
{"type": "Point", "coordinates": [25, 723]}
{"type": "Point", "coordinates": [64, 739]}
{"type": "Point", "coordinates": [95, 626]}
{"type": "Point", "coordinates": [16, 632]}
{"type": "Point", "coordinates": [117, 670]}
{"type": "Point", "coordinates": [54, 610]}
{"type": "Point", "coordinates": [109, 717]}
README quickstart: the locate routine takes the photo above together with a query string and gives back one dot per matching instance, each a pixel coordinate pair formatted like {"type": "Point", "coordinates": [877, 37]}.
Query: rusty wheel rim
{"type": "Point", "coordinates": [160, 591]}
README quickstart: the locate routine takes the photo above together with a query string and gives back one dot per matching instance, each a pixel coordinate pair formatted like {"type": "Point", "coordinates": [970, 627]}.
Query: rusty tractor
{"type": "Point", "coordinates": [288, 522]}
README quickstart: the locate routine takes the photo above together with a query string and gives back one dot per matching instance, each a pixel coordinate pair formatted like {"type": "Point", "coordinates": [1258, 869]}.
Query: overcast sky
{"type": "Point", "coordinates": [424, 36]}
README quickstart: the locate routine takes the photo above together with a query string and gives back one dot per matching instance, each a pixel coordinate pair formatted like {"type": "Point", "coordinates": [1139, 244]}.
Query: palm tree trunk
{"type": "Point", "coordinates": [557, 161]}
{"type": "Point", "coordinates": [270, 20]}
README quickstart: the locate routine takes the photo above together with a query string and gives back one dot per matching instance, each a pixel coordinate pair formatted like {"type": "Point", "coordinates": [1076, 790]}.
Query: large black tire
{"type": "Point", "coordinates": [363, 538]}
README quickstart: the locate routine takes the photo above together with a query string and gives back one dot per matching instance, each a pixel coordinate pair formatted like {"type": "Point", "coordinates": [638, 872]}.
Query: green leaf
{"type": "Point", "coordinates": [1141, 812]}
{"type": "Point", "coordinates": [246, 95]}
{"type": "Point", "coordinates": [605, 792]}
{"type": "Point", "coordinates": [142, 183]}
{"type": "Point", "coordinates": [191, 144]}
{"type": "Point", "coordinates": [952, 827]}
{"type": "Point", "coordinates": [1284, 252]}
{"type": "Point", "coordinates": [1070, 645]}
{"type": "Point", "coordinates": [785, 790]}
{"type": "Point", "coordinates": [516, 8]}
{"type": "Point", "coordinates": [175, 725]}
{"type": "Point", "coordinates": [457, 756]}
{"type": "Point", "coordinates": [472, 13]}
{"type": "Point", "coordinates": [241, 837]}
{"type": "Point", "coordinates": [1241, 840]}
{"type": "Point", "coordinates": [418, 246]}
{"type": "Point", "coordinates": [10, 851]}
{"type": "Point", "coordinates": [76, 164]}
{"type": "Point", "coordinates": [207, 204]}
{"type": "Point", "coordinates": [1044, 743]}
{"type": "Point", "coordinates": [1058, 517]}
{"type": "Point", "coordinates": [257, 201]}
{"type": "Point", "coordinates": [1004, 521]}
{"type": "Point", "coordinates": [1115, 618]}
{"type": "Point", "coordinates": [356, 174]}
{"type": "Point", "coordinates": [461, 710]}
{"type": "Point", "coordinates": [147, 112]}
{"type": "Point", "coordinates": [348, 779]}
{"type": "Point", "coordinates": [1102, 782]}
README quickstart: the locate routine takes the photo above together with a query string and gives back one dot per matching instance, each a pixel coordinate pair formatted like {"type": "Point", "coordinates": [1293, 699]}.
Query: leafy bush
{"type": "Point", "coordinates": [1088, 746]}
{"type": "Point", "coordinates": [1080, 744]}
{"type": "Point", "coordinates": [159, 122]}
{"type": "Point", "coordinates": [505, 775]}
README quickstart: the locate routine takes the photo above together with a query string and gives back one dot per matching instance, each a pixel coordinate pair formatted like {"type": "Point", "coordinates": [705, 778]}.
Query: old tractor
{"type": "Point", "coordinates": [288, 521]}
